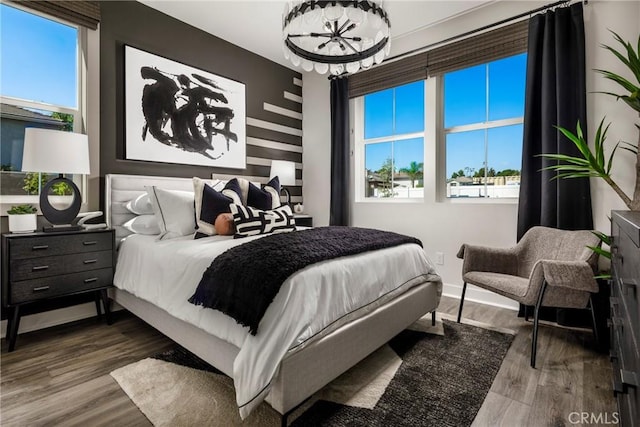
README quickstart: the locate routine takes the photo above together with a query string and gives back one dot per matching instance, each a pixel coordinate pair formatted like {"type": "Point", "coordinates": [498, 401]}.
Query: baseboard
{"type": "Point", "coordinates": [479, 295]}
{"type": "Point", "coordinates": [46, 319]}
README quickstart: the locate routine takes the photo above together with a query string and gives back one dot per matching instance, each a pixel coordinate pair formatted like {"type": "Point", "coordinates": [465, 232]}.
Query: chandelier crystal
{"type": "Point", "coordinates": [335, 36]}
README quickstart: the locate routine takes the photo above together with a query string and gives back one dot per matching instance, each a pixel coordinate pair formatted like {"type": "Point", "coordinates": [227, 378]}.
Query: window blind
{"type": "Point", "coordinates": [489, 46]}
{"type": "Point", "coordinates": [486, 47]}
{"type": "Point", "coordinates": [387, 75]}
{"type": "Point", "coordinates": [85, 13]}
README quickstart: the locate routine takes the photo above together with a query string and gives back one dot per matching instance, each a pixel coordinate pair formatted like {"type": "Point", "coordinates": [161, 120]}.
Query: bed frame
{"type": "Point", "coordinates": [301, 373]}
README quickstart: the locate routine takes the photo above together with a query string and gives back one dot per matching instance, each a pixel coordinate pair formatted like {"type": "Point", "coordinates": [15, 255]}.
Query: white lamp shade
{"type": "Point", "coordinates": [55, 151]}
{"type": "Point", "coordinates": [284, 170]}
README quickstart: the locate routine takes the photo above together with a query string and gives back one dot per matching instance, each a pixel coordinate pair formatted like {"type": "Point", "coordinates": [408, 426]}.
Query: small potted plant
{"type": "Point", "coordinates": [22, 219]}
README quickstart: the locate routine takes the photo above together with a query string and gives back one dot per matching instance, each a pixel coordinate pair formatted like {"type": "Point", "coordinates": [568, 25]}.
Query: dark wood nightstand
{"type": "Point", "coordinates": [303, 220]}
{"type": "Point", "coordinates": [39, 266]}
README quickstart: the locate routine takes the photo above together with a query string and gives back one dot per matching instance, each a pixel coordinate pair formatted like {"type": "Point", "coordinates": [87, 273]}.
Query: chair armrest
{"type": "Point", "coordinates": [493, 260]}
{"type": "Point", "coordinates": [577, 275]}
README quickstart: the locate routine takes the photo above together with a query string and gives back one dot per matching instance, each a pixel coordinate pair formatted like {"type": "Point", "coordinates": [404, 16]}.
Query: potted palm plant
{"type": "Point", "coordinates": [22, 219]}
{"type": "Point", "coordinates": [594, 163]}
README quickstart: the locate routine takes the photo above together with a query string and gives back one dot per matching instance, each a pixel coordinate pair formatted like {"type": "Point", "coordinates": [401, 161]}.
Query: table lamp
{"type": "Point", "coordinates": [286, 173]}
{"type": "Point", "coordinates": [55, 151]}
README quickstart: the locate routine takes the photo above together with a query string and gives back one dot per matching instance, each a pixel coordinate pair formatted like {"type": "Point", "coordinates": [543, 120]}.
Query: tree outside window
{"type": "Point", "coordinates": [394, 142]}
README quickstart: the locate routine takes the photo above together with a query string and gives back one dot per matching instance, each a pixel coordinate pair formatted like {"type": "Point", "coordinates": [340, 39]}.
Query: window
{"type": "Point", "coordinates": [483, 116]}
{"type": "Point", "coordinates": [40, 86]}
{"type": "Point", "coordinates": [391, 144]}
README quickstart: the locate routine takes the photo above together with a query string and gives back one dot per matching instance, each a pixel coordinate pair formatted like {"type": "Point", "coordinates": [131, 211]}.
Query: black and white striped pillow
{"type": "Point", "coordinates": [251, 221]}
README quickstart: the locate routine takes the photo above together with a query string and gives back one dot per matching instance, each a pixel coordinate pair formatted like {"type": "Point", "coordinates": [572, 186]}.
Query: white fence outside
{"type": "Point", "coordinates": [491, 191]}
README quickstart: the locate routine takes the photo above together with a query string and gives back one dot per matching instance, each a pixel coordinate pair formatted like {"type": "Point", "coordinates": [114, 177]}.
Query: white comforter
{"type": "Point", "coordinates": [166, 273]}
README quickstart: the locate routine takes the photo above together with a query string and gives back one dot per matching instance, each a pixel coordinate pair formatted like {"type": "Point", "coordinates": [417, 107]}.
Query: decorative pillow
{"type": "Point", "coordinates": [174, 212]}
{"type": "Point", "coordinates": [240, 186]}
{"type": "Point", "coordinates": [224, 225]}
{"type": "Point", "coordinates": [266, 198]}
{"type": "Point", "coordinates": [250, 221]}
{"type": "Point", "coordinates": [141, 205]}
{"type": "Point", "coordinates": [210, 203]}
{"type": "Point", "coordinates": [143, 224]}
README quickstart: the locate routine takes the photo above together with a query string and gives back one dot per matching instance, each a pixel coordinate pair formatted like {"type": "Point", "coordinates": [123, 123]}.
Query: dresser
{"type": "Point", "coordinates": [39, 266]}
{"type": "Point", "coordinates": [624, 323]}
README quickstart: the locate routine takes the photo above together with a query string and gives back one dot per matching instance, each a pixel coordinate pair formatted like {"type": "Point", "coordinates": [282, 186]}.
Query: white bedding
{"type": "Point", "coordinates": [166, 273]}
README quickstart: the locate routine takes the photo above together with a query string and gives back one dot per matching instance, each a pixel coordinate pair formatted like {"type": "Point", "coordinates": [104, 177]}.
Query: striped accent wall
{"type": "Point", "coordinates": [276, 134]}
{"type": "Point", "coordinates": [273, 93]}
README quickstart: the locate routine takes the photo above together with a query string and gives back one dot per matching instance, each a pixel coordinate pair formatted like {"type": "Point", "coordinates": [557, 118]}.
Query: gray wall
{"type": "Point", "coordinates": [134, 24]}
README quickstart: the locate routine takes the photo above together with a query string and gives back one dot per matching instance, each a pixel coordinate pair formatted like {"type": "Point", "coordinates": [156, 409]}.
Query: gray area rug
{"type": "Point", "coordinates": [425, 376]}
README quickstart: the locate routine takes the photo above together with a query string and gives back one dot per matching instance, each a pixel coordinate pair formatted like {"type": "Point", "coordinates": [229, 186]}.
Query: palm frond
{"type": "Point", "coordinates": [591, 164]}
{"type": "Point", "coordinates": [633, 58]}
{"type": "Point", "coordinates": [629, 147]}
{"type": "Point", "coordinates": [626, 84]}
{"type": "Point", "coordinates": [604, 238]}
{"type": "Point", "coordinates": [602, 252]}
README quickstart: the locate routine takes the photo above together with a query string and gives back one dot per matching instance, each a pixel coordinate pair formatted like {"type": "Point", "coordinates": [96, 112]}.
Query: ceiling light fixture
{"type": "Point", "coordinates": [335, 36]}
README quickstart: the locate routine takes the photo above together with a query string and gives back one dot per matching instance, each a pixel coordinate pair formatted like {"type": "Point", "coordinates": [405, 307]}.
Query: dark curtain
{"type": "Point", "coordinates": [555, 95]}
{"type": "Point", "coordinates": [340, 161]}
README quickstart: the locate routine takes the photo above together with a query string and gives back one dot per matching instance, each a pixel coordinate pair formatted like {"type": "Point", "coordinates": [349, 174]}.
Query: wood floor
{"type": "Point", "coordinates": [60, 376]}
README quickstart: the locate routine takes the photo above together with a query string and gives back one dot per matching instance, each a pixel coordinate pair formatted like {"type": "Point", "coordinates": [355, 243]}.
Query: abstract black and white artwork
{"type": "Point", "coordinates": [180, 114]}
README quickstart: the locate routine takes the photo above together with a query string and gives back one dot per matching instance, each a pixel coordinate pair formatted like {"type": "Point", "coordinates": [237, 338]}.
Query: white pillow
{"type": "Point", "coordinates": [174, 211]}
{"type": "Point", "coordinates": [143, 224]}
{"type": "Point", "coordinates": [141, 205]}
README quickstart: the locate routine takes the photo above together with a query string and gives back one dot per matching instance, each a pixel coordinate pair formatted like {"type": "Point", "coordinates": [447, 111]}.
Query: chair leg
{"type": "Point", "coordinates": [536, 315]}
{"type": "Point", "coordinates": [464, 289]}
{"type": "Point", "coordinates": [526, 313]}
{"type": "Point", "coordinates": [593, 321]}
{"type": "Point", "coordinates": [433, 318]}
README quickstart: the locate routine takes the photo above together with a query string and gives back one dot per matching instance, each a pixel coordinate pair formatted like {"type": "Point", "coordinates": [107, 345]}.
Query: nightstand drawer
{"type": "Point", "coordinates": [33, 268]}
{"type": "Point", "coordinates": [31, 290]}
{"type": "Point", "coordinates": [303, 220]}
{"type": "Point", "coordinates": [42, 246]}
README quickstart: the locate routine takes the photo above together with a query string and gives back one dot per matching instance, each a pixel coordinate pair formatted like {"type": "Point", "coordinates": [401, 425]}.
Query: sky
{"type": "Point", "coordinates": [465, 96]}
{"type": "Point", "coordinates": [43, 64]}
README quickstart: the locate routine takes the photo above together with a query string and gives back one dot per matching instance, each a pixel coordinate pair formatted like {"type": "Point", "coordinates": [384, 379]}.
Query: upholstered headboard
{"type": "Point", "coordinates": [119, 189]}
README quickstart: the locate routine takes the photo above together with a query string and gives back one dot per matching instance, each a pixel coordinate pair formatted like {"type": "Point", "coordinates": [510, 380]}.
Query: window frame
{"type": "Point", "coordinates": [486, 125]}
{"type": "Point", "coordinates": [434, 138]}
{"type": "Point", "coordinates": [360, 148]}
{"type": "Point", "coordinates": [79, 113]}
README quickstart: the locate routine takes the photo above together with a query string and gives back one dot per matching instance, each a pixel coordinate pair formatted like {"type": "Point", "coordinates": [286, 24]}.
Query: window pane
{"type": "Point", "coordinates": [378, 114]}
{"type": "Point", "coordinates": [410, 108]}
{"type": "Point", "coordinates": [505, 160]}
{"type": "Point", "coordinates": [465, 96]}
{"type": "Point", "coordinates": [14, 121]}
{"type": "Point", "coordinates": [465, 160]}
{"type": "Point", "coordinates": [39, 58]}
{"type": "Point", "coordinates": [378, 169]}
{"type": "Point", "coordinates": [408, 158]}
{"type": "Point", "coordinates": [506, 87]}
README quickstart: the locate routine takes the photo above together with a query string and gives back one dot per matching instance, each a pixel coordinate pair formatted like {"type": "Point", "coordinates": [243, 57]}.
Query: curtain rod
{"type": "Point", "coordinates": [477, 30]}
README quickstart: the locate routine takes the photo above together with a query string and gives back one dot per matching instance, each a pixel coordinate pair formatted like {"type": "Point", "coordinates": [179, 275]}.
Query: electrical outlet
{"type": "Point", "coordinates": [440, 258]}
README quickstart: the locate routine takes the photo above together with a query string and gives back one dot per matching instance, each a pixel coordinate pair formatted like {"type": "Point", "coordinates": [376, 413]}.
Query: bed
{"type": "Point", "coordinates": [314, 355]}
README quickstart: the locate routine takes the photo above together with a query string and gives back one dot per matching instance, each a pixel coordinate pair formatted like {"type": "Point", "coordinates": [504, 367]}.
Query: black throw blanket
{"type": "Point", "coordinates": [243, 281]}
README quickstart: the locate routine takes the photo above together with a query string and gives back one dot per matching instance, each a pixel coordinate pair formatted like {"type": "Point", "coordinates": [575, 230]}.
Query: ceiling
{"type": "Point", "coordinates": [256, 25]}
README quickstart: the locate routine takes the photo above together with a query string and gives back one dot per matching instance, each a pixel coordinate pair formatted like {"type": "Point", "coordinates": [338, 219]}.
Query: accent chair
{"type": "Point", "coordinates": [548, 267]}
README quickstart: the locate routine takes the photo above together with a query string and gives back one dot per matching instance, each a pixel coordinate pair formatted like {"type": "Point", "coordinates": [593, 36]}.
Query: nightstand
{"type": "Point", "coordinates": [303, 220]}
{"type": "Point", "coordinates": [39, 266]}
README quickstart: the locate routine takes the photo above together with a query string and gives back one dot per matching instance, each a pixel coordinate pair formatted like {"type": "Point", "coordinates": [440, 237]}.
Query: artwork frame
{"type": "Point", "coordinates": [176, 113]}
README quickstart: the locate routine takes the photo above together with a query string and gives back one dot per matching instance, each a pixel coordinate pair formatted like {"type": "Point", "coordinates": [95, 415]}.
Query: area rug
{"type": "Point", "coordinates": [425, 376]}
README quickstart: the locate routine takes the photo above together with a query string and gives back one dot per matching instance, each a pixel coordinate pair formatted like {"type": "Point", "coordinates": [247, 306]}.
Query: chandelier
{"type": "Point", "coordinates": [335, 36]}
